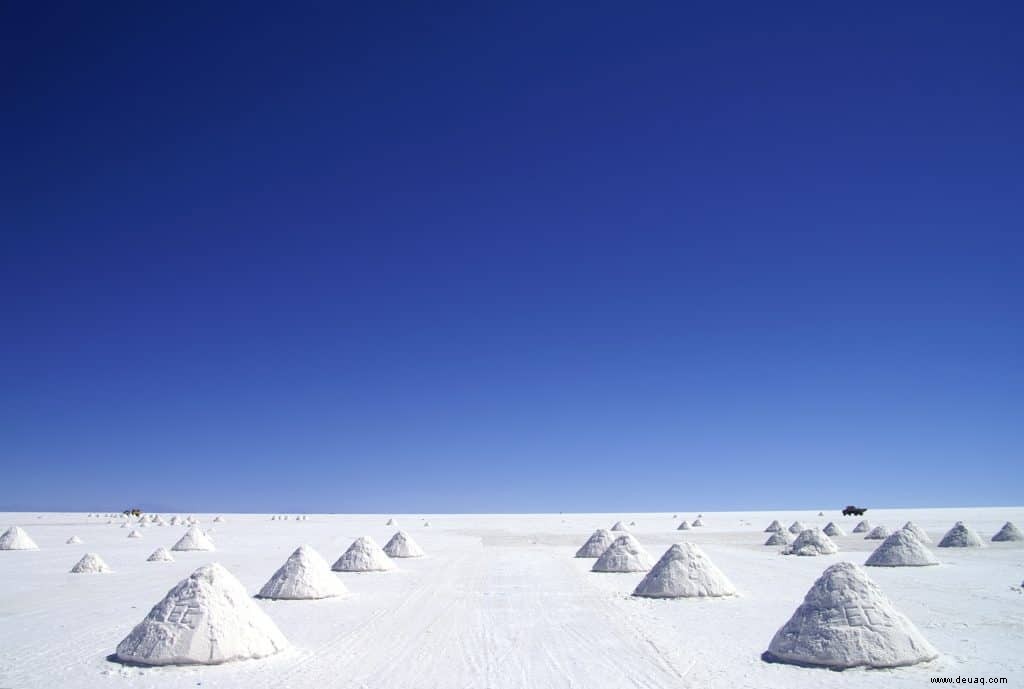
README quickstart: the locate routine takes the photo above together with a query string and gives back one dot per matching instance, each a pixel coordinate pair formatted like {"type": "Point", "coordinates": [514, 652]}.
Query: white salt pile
{"type": "Point", "coordinates": [174, 520]}
{"type": "Point", "coordinates": [194, 539]}
{"type": "Point", "coordinates": [901, 549]}
{"type": "Point", "coordinates": [596, 544]}
{"type": "Point", "coordinates": [625, 554]}
{"type": "Point", "coordinates": [134, 533]}
{"type": "Point", "coordinates": [207, 618]}
{"type": "Point", "coordinates": [619, 526]}
{"type": "Point", "coordinates": [779, 538]}
{"type": "Point", "coordinates": [391, 522]}
{"type": "Point", "coordinates": [426, 523]}
{"type": "Point", "coordinates": [846, 621]}
{"type": "Point", "coordinates": [683, 526]}
{"type": "Point", "coordinates": [811, 542]}
{"type": "Point", "coordinates": [774, 527]}
{"type": "Point", "coordinates": [698, 522]}
{"type": "Point", "coordinates": [161, 554]}
{"type": "Point", "coordinates": [917, 531]}
{"type": "Point", "coordinates": [832, 529]}
{"type": "Point", "coordinates": [364, 555]}
{"type": "Point", "coordinates": [797, 527]}
{"type": "Point", "coordinates": [960, 536]}
{"type": "Point", "coordinates": [684, 571]}
{"type": "Point", "coordinates": [218, 519]}
{"type": "Point", "coordinates": [1009, 532]}
{"type": "Point", "coordinates": [74, 540]}
{"type": "Point", "coordinates": [877, 534]}
{"type": "Point", "coordinates": [304, 576]}
{"type": "Point", "coordinates": [862, 526]}
{"type": "Point", "coordinates": [91, 563]}
{"type": "Point", "coordinates": [402, 545]}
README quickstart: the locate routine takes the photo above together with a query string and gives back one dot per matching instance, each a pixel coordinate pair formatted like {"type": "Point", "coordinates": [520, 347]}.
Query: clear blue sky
{"type": "Point", "coordinates": [444, 257]}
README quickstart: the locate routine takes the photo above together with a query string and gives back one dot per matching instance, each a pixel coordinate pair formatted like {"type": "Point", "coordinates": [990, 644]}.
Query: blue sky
{"type": "Point", "coordinates": [459, 258]}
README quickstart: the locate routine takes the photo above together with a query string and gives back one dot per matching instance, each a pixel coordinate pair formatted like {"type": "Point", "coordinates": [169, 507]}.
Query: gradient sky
{"type": "Point", "coordinates": [446, 258]}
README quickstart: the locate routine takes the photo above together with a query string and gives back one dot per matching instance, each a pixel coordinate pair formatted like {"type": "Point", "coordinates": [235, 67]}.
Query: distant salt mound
{"type": "Point", "coordinates": [364, 555]}
{"type": "Point", "coordinates": [391, 522]}
{"type": "Point", "coordinates": [821, 514]}
{"type": "Point", "coordinates": [218, 519]}
{"type": "Point", "coordinates": [619, 526]}
{"type": "Point", "coordinates": [684, 571]}
{"type": "Point", "coordinates": [877, 534]}
{"type": "Point", "coordinates": [774, 527]}
{"type": "Point", "coordinates": [194, 539]}
{"type": "Point", "coordinates": [173, 521]}
{"type": "Point", "coordinates": [832, 529]}
{"type": "Point", "coordinates": [797, 527]}
{"type": "Point", "coordinates": [960, 536]}
{"type": "Point", "coordinates": [304, 576]}
{"type": "Point", "coordinates": [143, 524]}
{"type": "Point", "coordinates": [846, 621]}
{"type": "Point", "coordinates": [161, 554]}
{"type": "Point", "coordinates": [811, 542]}
{"type": "Point", "coordinates": [596, 544]}
{"type": "Point", "coordinates": [159, 521]}
{"type": "Point", "coordinates": [1009, 532]}
{"type": "Point", "coordinates": [901, 549]}
{"type": "Point", "coordinates": [698, 522]}
{"type": "Point", "coordinates": [683, 526]}
{"type": "Point", "coordinates": [779, 538]}
{"type": "Point", "coordinates": [426, 523]}
{"type": "Point", "coordinates": [402, 545]}
{"type": "Point", "coordinates": [862, 527]}
{"type": "Point", "coordinates": [91, 563]}
{"type": "Point", "coordinates": [205, 619]}
{"type": "Point", "coordinates": [74, 540]}
{"type": "Point", "coordinates": [134, 533]}
{"type": "Point", "coordinates": [917, 531]}
{"type": "Point", "coordinates": [625, 554]}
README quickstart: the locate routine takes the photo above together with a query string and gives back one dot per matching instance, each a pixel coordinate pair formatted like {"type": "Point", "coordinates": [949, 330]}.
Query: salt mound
{"type": "Point", "coordinates": [877, 534]}
{"type": "Point", "coordinates": [596, 544]}
{"type": "Point", "coordinates": [194, 539]}
{"type": "Point", "coordinates": [960, 536]}
{"type": "Point", "coordinates": [426, 523]}
{"type": "Point", "coordinates": [684, 571]}
{"type": "Point", "coordinates": [304, 576]}
{"type": "Point", "coordinates": [832, 529]}
{"type": "Point", "coordinates": [863, 526]}
{"type": "Point", "coordinates": [698, 522]}
{"type": "Point", "coordinates": [161, 554]}
{"type": "Point", "coordinates": [134, 533]}
{"type": "Point", "coordinates": [901, 549]}
{"type": "Point", "coordinates": [159, 521]}
{"type": "Point", "coordinates": [812, 542]}
{"type": "Point", "coordinates": [917, 531]}
{"type": "Point", "coordinates": [625, 554]}
{"type": "Point", "coordinates": [846, 621]}
{"type": "Point", "coordinates": [779, 538]}
{"type": "Point", "coordinates": [174, 521]}
{"type": "Point", "coordinates": [683, 526]}
{"type": "Point", "coordinates": [218, 519]}
{"type": "Point", "coordinates": [619, 526]}
{"type": "Point", "coordinates": [16, 538]}
{"type": "Point", "coordinates": [391, 522]}
{"type": "Point", "coordinates": [402, 545]}
{"type": "Point", "coordinates": [1009, 532]}
{"type": "Point", "coordinates": [74, 540]}
{"type": "Point", "coordinates": [207, 618]}
{"type": "Point", "coordinates": [774, 527]}
{"type": "Point", "coordinates": [797, 527]}
{"type": "Point", "coordinates": [364, 555]}
{"type": "Point", "coordinates": [91, 563]}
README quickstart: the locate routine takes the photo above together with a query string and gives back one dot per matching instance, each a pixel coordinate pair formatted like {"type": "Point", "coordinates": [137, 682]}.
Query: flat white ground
{"type": "Point", "coordinates": [500, 602]}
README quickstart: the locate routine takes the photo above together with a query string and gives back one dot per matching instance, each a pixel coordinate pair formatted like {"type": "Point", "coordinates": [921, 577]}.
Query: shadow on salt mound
{"type": "Point", "coordinates": [1009, 532]}
{"type": "Point", "coordinates": [811, 542]}
{"type": "Point", "coordinates": [596, 544]}
{"type": "Point", "coordinates": [625, 554]}
{"type": "Point", "coordinates": [961, 536]}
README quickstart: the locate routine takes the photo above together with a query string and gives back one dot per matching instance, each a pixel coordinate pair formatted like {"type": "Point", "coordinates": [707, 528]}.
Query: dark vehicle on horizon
{"type": "Point", "coordinates": [854, 510]}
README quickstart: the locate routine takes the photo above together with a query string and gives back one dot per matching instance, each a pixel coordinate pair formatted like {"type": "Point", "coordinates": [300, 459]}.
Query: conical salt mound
{"type": "Point", "coordinates": [625, 554]}
{"type": "Point", "coordinates": [391, 522]}
{"type": "Point", "coordinates": [683, 526]}
{"type": "Point", "coordinates": [774, 527]}
{"type": "Point", "coordinates": [832, 529]}
{"type": "Point", "coordinates": [811, 542]}
{"type": "Point", "coordinates": [684, 571]}
{"type": "Point", "coordinates": [596, 544]}
{"type": "Point", "coordinates": [194, 539]}
{"type": "Point", "coordinates": [91, 563]}
{"type": "Point", "coordinates": [218, 519]}
{"type": "Point", "coordinates": [797, 527]}
{"type": "Point", "coordinates": [901, 549]}
{"type": "Point", "coordinates": [779, 538]}
{"type": "Point", "coordinates": [862, 527]}
{"type": "Point", "coordinates": [206, 619]}
{"type": "Point", "coordinates": [960, 536]}
{"type": "Point", "coordinates": [159, 521]}
{"type": "Point", "coordinates": [161, 554]}
{"type": "Point", "coordinates": [174, 521]}
{"type": "Point", "coordinates": [698, 522]}
{"type": "Point", "coordinates": [134, 533]}
{"type": "Point", "coordinates": [846, 621]}
{"type": "Point", "coordinates": [619, 526]}
{"type": "Point", "coordinates": [74, 540]}
{"type": "Point", "coordinates": [364, 555]}
{"type": "Point", "coordinates": [402, 545]}
{"type": "Point", "coordinates": [877, 534]}
{"type": "Point", "coordinates": [917, 531]}
{"type": "Point", "coordinates": [304, 576]}
{"type": "Point", "coordinates": [1009, 532]}
{"type": "Point", "coordinates": [16, 538]}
